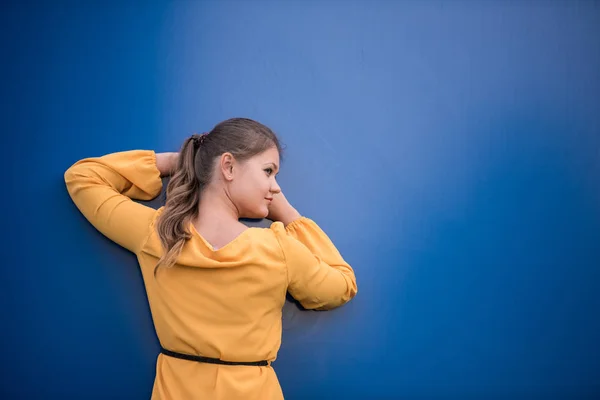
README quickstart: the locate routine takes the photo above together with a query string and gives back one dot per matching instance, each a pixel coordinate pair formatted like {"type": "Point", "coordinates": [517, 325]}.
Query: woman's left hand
{"type": "Point", "coordinates": [281, 210]}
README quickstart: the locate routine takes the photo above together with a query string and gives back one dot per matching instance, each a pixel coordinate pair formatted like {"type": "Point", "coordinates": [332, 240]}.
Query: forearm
{"type": "Point", "coordinates": [102, 189]}
{"type": "Point", "coordinates": [282, 211]}
{"type": "Point", "coordinates": [289, 216]}
{"type": "Point", "coordinates": [166, 163]}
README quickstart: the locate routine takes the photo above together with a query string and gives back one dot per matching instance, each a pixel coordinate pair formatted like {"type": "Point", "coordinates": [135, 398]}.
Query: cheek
{"type": "Point", "coordinates": [251, 203]}
{"type": "Point", "coordinates": [250, 194]}
{"type": "Point", "coordinates": [257, 185]}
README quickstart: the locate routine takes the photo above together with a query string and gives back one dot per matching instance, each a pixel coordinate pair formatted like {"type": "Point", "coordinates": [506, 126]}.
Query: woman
{"type": "Point", "coordinates": [216, 287]}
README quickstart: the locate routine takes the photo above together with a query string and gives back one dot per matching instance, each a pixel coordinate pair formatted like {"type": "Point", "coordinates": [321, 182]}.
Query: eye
{"type": "Point", "coordinates": [269, 171]}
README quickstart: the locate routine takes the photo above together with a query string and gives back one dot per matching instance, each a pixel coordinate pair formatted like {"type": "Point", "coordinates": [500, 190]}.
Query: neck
{"type": "Point", "coordinates": [216, 207]}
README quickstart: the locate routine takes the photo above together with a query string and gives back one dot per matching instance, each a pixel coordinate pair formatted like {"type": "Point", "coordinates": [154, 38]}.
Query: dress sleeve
{"type": "Point", "coordinates": [102, 188]}
{"type": "Point", "coordinates": [318, 276]}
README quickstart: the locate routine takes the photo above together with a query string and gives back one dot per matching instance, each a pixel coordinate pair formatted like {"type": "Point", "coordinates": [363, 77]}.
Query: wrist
{"type": "Point", "coordinates": [166, 162]}
{"type": "Point", "coordinates": [290, 216]}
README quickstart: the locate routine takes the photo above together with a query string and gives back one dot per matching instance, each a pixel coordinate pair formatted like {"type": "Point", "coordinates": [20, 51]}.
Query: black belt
{"type": "Point", "coordinates": [211, 360]}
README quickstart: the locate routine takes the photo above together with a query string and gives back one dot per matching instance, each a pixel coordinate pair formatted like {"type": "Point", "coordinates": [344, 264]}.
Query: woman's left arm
{"type": "Point", "coordinates": [103, 188]}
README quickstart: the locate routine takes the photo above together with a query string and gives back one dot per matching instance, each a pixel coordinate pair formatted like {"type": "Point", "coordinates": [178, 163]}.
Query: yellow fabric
{"type": "Point", "coordinates": [223, 303]}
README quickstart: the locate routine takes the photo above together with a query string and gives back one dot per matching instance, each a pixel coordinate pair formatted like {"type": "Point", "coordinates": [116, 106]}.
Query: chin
{"type": "Point", "coordinates": [256, 214]}
{"type": "Point", "coordinates": [264, 213]}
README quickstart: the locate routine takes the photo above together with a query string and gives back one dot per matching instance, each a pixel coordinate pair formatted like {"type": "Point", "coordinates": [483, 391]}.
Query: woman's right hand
{"type": "Point", "coordinates": [166, 163]}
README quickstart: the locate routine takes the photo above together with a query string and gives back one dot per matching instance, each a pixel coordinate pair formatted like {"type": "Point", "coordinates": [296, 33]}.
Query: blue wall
{"type": "Point", "coordinates": [450, 149]}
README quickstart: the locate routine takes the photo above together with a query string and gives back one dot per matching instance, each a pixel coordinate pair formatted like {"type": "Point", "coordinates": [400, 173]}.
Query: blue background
{"type": "Point", "coordinates": [450, 149]}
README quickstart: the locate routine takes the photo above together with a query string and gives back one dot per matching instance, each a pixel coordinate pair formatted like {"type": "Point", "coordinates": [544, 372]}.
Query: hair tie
{"type": "Point", "coordinates": [199, 139]}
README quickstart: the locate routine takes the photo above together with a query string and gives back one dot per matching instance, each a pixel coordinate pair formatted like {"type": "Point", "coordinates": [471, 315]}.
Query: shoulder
{"type": "Point", "coordinates": [271, 237]}
{"type": "Point", "coordinates": [157, 213]}
{"type": "Point", "coordinates": [271, 233]}
{"type": "Point", "coordinates": [277, 228]}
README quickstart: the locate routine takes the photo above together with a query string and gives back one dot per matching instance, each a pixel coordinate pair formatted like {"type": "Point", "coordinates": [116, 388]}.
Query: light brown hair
{"type": "Point", "coordinates": [242, 137]}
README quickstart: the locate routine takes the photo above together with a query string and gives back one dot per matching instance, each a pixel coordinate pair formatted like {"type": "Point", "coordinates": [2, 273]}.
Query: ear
{"type": "Point", "coordinates": [226, 165]}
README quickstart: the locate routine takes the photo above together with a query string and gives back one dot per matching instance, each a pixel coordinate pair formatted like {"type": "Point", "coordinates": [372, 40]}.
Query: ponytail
{"type": "Point", "coordinates": [242, 137]}
{"type": "Point", "coordinates": [183, 198]}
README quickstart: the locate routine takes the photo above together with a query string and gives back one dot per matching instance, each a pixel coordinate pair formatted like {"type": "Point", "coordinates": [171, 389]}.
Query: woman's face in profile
{"type": "Point", "coordinates": [254, 185]}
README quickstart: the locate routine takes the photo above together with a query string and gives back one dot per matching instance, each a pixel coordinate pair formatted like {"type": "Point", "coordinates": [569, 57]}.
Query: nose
{"type": "Point", "coordinates": [275, 187]}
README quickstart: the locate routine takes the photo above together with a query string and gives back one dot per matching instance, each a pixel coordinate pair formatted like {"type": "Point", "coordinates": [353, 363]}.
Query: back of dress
{"type": "Point", "coordinates": [226, 303]}
{"type": "Point", "coordinates": [223, 303]}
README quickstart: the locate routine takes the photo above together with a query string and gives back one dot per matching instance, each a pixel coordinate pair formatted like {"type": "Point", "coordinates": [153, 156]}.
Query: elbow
{"type": "Point", "coordinates": [71, 172]}
{"type": "Point", "coordinates": [345, 298]}
{"type": "Point", "coordinates": [73, 176]}
{"type": "Point", "coordinates": [331, 305]}
{"type": "Point", "coordinates": [349, 292]}
{"type": "Point", "coordinates": [335, 301]}
{"type": "Point", "coordinates": [70, 176]}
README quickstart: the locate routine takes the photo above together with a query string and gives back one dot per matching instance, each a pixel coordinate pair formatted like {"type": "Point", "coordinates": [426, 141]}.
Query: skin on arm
{"type": "Point", "coordinates": [166, 162]}
{"type": "Point", "coordinates": [281, 210]}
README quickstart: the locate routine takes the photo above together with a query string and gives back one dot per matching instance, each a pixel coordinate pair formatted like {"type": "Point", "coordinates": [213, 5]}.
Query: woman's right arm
{"type": "Point", "coordinates": [166, 163]}
{"type": "Point", "coordinates": [103, 188]}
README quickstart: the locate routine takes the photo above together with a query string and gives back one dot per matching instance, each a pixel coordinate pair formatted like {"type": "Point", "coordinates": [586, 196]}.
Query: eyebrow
{"type": "Point", "coordinates": [274, 165]}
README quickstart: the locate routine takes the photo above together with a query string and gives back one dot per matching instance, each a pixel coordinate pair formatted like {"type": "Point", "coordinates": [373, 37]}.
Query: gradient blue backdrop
{"type": "Point", "coordinates": [450, 149]}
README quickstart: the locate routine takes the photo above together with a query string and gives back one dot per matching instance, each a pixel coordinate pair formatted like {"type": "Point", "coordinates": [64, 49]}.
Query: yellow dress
{"type": "Point", "coordinates": [224, 303]}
